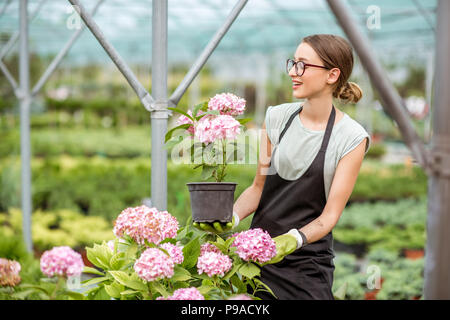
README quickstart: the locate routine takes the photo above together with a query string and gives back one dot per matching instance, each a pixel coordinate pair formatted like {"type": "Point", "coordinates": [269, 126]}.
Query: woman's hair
{"type": "Point", "coordinates": [336, 52]}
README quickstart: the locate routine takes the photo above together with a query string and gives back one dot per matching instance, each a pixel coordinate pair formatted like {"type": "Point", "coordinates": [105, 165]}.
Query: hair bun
{"type": "Point", "coordinates": [349, 93]}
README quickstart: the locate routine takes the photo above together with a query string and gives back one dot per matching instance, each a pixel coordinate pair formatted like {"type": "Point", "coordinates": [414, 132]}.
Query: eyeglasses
{"type": "Point", "coordinates": [300, 66]}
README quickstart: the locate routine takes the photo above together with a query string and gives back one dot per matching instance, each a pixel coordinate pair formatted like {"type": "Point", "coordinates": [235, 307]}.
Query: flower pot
{"type": "Point", "coordinates": [212, 201]}
{"type": "Point", "coordinates": [413, 253]}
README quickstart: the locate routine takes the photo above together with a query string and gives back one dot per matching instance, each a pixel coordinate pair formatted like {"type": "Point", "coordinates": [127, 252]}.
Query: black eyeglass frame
{"type": "Point", "coordinates": [304, 66]}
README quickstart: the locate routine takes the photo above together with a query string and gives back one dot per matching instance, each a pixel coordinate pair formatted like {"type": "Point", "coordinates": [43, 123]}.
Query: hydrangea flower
{"type": "Point", "coordinates": [213, 263]}
{"type": "Point", "coordinates": [184, 294]}
{"type": "Point", "coordinates": [144, 223]}
{"type": "Point", "coordinates": [254, 245]}
{"type": "Point", "coordinates": [227, 104]}
{"type": "Point", "coordinates": [154, 264]}
{"type": "Point", "coordinates": [209, 247]}
{"type": "Point", "coordinates": [186, 120]}
{"type": "Point", "coordinates": [175, 252]}
{"type": "Point", "coordinates": [9, 272]}
{"type": "Point", "coordinates": [61, 261]}
{"type": "Point", "coordinates": [212, 128]}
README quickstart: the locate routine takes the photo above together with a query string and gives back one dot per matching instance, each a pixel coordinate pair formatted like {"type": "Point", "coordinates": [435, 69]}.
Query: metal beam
{"type": "Point", "coordinates": [25, 101]}
{"type": "Point", "coordinates": [437, 255]}
{"type": "Point", "coordinates": [16, 34]}
{"type": "Point", "coordinates": [57, 60]}
{"type": "Point", "coordinates": [201, 60]}
{"type": "Point", "coordinates": [392, 101]}
{"type": "Point", "coordinates": [160, 117]}
{"type": "Point", "coordinates": [145, 98]}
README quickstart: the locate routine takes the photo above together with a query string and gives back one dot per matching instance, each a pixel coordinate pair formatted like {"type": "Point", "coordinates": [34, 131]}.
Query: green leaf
{"type": "Point", "coordinates": [182, 112]}
{"type": "Point", "coordinates": [205, 289]}
{"type": "Point", "coordinates": [171, 131]}
{"type": "Point", "coordinates": [101, 294]}
{"type": "Point", "coordinates": [244, 120]}
{"type": "Point", "coordinates": [207, 172]}
{"type": "Point", "coordinates": [132, 282]}
{"type": "Point", "coordinates": [180, 274]}
{"type": "Point", "coordinates": [249, 270]}
{"type": "Point", "coordinates": [233, 270]}
{"type": "Point", "coordinates": [340, 293]}
{"type": "Point", "coordinates": [117, 261]}
{"type": "Point", "coordinates": [201, 106]}
{"type": "Point", "coordinates": [191, 252]}
{"type": "Point", "coordinates": [75, 295]}
{"type": "Point", "coordinates": [23, 294]}
{"type": "Point", "coordinates": [129, 292]}
{"type": "Point", "coordinates": [92, 271]}
{"type": "Point", "coordinates": [238, 283]}
{"type": "Point", "coordinates": [155, 285]}
{"type": "Point", "coordinates": [114, 289]}
{"type": "Point", "coordinates": [94, 281]}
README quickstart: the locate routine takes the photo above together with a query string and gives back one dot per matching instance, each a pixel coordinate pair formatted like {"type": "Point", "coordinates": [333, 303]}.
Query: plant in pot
{"type": "Point", "coordinates": [211, 130]}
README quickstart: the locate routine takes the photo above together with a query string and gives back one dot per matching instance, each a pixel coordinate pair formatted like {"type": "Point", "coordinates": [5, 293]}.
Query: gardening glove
{"type": "Point", "coordinates": [218, 227]}
{"type": "Point", "coordinates": [287, 243]}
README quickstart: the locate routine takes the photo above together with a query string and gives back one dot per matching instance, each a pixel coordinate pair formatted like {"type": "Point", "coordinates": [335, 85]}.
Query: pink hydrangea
{"type": "Point", "coordinates": [144, 223]}
{"type": "Point", "coordinates": [254, 245]}
{"type": "Point", "coordinates": [184, 294]}
{"type": "Point", "coordinates": [61, 261]}
{"type": "Point", "coordinates": [227, 104]}
{"type": "Point", "coordinates": [213, 263]}
{"type": "Point", "coordinates": [210, 129]}
{"type": "Point", "coordinates": [209, 247]}
{"type": "Point", "coordinates": [9, 272]}
{"type": "Point", "coordinates": [175, 252]}
{"type": "Point", "coordinates": [154, 264]}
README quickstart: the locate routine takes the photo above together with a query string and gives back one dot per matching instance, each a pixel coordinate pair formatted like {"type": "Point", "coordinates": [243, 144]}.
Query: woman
{"type": "Point", "coordinates": [310, 156]}
{"type": "Point", "coordinates": [318, 152]}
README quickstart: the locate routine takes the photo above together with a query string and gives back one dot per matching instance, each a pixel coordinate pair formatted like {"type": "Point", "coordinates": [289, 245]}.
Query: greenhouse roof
{"type": "Point", "coordinates": [264, 27]}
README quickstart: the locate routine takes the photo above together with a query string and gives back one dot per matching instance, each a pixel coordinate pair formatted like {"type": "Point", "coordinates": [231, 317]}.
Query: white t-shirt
{"type": "Point", "coordinates": [300, 145]}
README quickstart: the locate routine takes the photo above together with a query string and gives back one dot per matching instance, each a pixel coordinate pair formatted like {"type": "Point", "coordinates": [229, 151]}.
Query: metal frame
{"type": "Point", "coordinates": [435, 163]}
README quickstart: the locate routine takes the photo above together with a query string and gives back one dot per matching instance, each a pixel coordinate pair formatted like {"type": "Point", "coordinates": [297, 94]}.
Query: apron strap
{"type": "Point", "coordinates": [289, 123]}
{"type": "Point", "coordinates": [330, 123]}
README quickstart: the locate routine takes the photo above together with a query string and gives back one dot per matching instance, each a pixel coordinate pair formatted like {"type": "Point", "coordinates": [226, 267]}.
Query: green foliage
{"type": "Point", "coordinates": [58, 228]}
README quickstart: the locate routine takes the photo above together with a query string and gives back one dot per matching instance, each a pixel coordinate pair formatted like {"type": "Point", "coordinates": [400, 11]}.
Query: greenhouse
{"type": "Point", "coordinates": [133, 137]}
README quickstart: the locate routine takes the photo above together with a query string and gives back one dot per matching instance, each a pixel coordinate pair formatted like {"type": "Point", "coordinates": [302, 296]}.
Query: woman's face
{"type": "Point", "coordinates": [314, 80]}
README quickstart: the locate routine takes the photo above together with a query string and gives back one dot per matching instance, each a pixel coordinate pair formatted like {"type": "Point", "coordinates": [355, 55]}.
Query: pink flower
{"type": "Point", "coordinates": [154, 264]}
{"type": "Point", "coordinates": [175, 252]}
{"type": "Point", "coordinates": [213, 263]}
{"type": "Point", "coordinates": [227, 104]}
{"type": "Point", "coordinates": [209, 247]}
{"type": "Point", "coordinates": [254, 245]}
{"type": "Point", "coordinates": [144, 223]}
{"type": "Point", "coordinates": [212, 128]}
{"type": "Point", "coordinates": [186, 120]}
{"type": "Point", "coordinates": [61, 261]}
{"type": "Point", "coordinates": [9, 272]}
{"type": "Point", "coordinates": [184, 294]}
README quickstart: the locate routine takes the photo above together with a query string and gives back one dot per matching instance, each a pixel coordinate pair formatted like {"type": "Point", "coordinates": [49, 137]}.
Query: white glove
{"type": "Point", "coordinates": [236, 220]}
{"type": "Point", "coordinates": [298, 236]}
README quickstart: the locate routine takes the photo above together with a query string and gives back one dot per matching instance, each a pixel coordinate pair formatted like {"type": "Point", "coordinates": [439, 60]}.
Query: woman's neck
{"type": "Point", "coordinates": [317, 110]}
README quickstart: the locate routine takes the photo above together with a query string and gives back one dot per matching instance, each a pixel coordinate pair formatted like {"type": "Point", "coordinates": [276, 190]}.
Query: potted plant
{"type": "Point", "coordinates": [211, 130]}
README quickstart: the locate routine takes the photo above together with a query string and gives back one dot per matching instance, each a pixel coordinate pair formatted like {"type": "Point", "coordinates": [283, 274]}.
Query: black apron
{"type": "Point", "coordinates": [307, 273]}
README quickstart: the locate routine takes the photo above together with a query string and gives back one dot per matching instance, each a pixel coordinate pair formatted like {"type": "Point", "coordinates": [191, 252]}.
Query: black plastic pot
{"type": "Point", "coordinates": [212, 201]}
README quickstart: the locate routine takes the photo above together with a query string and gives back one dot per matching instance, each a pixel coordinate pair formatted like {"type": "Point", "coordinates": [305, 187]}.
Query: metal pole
{"type": "Point", "coordinates": [437, 257]}
{"type": "Point", "coordinates": [56, 61]}
{"type": "Point", "coordinates": [143, 95]}
{"type": "Point", "coordinates": [212, 45]}
{"type": "Point", "coordinates": [392, 100]}
{"type": "Point", "coordinates": [8, 46]}
{"type": "Point", "coordinates": [159, 117]}
{"type": "Point", "coordinates": [25, 101]}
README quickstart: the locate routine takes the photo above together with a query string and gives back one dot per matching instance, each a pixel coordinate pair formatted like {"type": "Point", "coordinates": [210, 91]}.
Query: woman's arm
{"type": "Point", "coordinates": [341, 188]}
{"type": "Point", "coordinates": [248, 201]}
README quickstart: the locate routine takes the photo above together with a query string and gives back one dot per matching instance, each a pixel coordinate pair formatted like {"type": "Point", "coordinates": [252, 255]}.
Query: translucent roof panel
{"type": "Point", "coordinates": [264, 28]}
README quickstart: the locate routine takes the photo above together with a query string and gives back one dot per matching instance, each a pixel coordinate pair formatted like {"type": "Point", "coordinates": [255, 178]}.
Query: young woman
{"type": "Point", "coordinates": [310, 157]}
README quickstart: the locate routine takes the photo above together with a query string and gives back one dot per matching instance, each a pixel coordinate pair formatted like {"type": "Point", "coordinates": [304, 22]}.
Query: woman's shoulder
{"type": "Point", "coordinates": [279, 114]}
{"type": "Point", "coordinates": [350, 134]}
